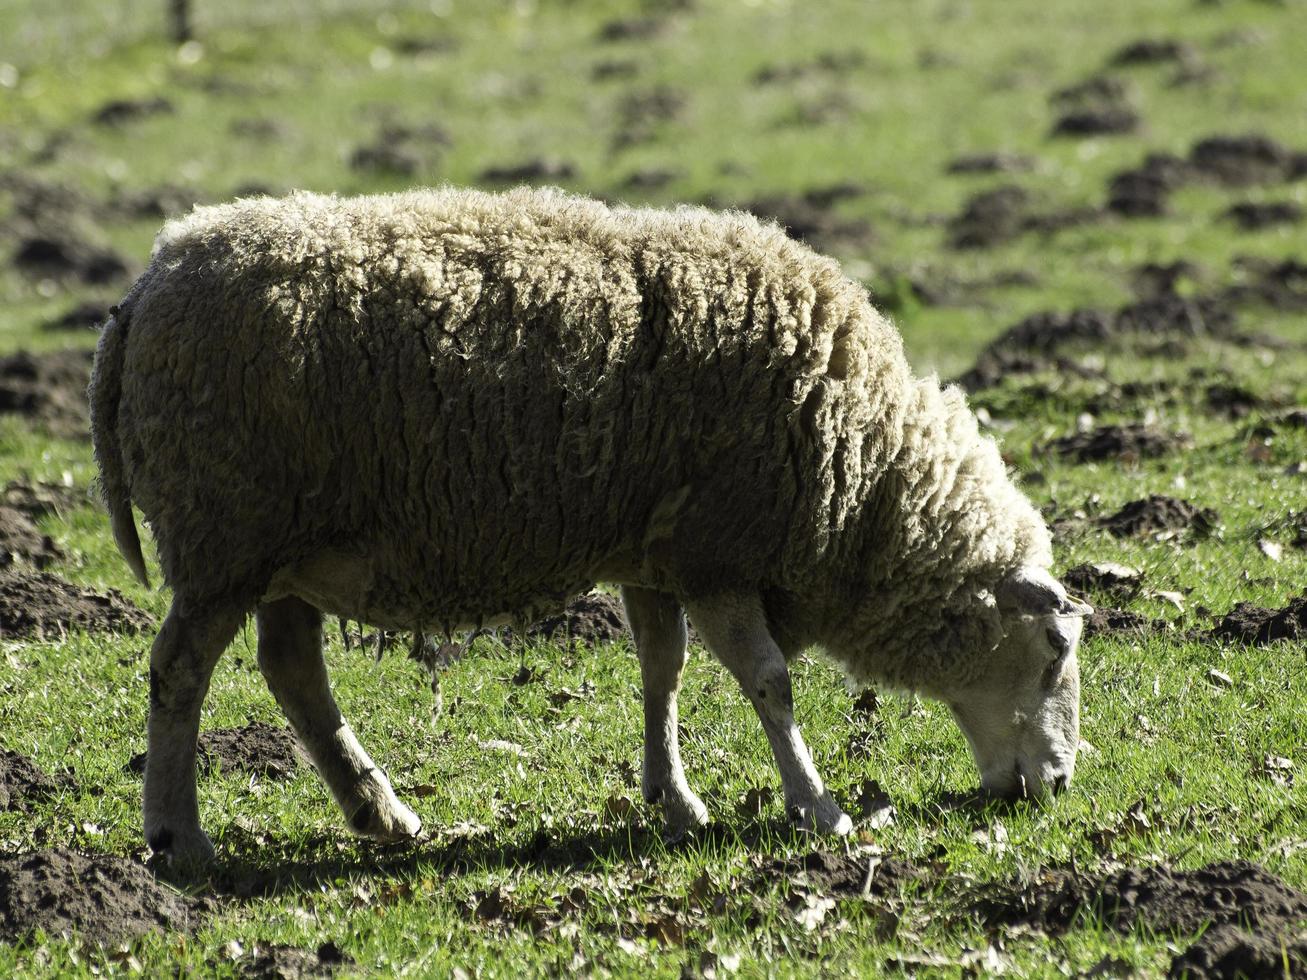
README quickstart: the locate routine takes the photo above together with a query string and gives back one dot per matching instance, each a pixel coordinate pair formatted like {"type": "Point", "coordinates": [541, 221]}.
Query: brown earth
{"type": "Point", "coordinates": [21, 540]}
{"type": "Point", "coordinates": [83, 316]}
{"type": "Point", "coordinates": [42, 606]}
{"type": "Point", "coordinates": [49, 389]}
{"type": "Point", "coordinates": [1158, 514]}
{"type": "Point", "coordinates": [266, 750]}
{"type": "Point", "coordinates": [1229, 953]}
{"type": "Point", "coordinates": [1105, 621]}
{"type": "Point", "coordinates": [278, 962]}
{"type": "Point", "coordinates": [36, 500]}
{"type": "Point", "coordinates": [809, 218]}
{"type": "Point", "coordinates": [23, 782]}
{"type": "Point", "coordinates": [991, 163]}
{"type": "Point", "coordinates": [591, 620]}
{"type": "Point", "coordinates": [101, 898]}
{"type": "Point", "coordinates": [1255, 215]}
{"type": "Point", "coordinates": [1001, 214]}
{"type": "Point", "coordinates": [1256, 626]}
{"type": "Point", "coordinates": [534, 171]}
{"type": "Point", "coordinates": [847, 874]}
{"type": "Point", "coordinates": [1117, 442]}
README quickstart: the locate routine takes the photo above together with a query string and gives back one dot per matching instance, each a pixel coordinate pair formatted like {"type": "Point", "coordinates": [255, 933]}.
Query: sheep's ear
{"type": "Point", "coordinates": [1033, 592]}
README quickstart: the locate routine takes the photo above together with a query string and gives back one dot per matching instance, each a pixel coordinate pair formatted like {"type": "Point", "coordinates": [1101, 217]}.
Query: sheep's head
{"type": "Point", "coordinates": [1021, 715]}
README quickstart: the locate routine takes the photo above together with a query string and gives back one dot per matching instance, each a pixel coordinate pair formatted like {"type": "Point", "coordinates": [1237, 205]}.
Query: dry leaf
{"type": "Point", "coordinates": [1271, 549]}
{"type": "Point", "coordinates": [813, 912]}
{"type": "Point", "coordinates": [1220, 678]}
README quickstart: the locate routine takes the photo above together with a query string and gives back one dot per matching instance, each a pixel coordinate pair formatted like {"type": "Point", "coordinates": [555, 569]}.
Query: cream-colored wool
{"type": "Point", "coordinates": [478, 404]}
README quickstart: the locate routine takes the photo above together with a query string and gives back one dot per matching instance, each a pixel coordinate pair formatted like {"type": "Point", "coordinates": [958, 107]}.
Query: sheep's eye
{"type": "Point", "coordinates": [1058, 642]}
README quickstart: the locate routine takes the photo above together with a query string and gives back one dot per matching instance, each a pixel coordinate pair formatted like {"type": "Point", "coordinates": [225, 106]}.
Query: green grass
{"type": "Point", "coordinates": [514, 82]}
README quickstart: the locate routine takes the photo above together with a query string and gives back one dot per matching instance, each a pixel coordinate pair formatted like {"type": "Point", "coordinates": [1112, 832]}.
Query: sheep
{"type": "Point", "coordinates": [446, 409]}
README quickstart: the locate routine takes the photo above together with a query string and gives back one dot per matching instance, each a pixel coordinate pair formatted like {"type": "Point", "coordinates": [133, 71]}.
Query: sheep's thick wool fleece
{"type": "Point", "coordinates": [497, 400]}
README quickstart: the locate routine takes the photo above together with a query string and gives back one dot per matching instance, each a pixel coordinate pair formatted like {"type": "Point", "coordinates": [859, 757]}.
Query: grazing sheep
{"type": "Point", "coordinates": [444, 409]}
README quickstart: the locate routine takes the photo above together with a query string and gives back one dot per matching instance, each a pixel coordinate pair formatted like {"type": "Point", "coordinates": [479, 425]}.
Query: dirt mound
{"type": "Point", "coordinates": [258, 747]}
{"type": "Point", "coordinates": [807, 219]}
{"type": "Point", "coordinates": [49, 389]}
{"type": "Point", "coordinates": [23, 782]}
{"type": "Point", "coordinates": [1253, 215]}
{"type": "Point", "coordinates": [1256, 626]}
{"type": "Point", "coordinates": [539, 170]}
{"type": "Point", "coordinates": [1105, 621]}
{"type": "Point", "coordinates": [1158, 514]}
{"type": "Point", "coordinates": [63, 256]}
{"type": "Point", "coordinates": [836, 873]}
{"type": "Point", "coordinates": [1238, 161]}
{"type": "Point", "coordinates": [1227, 953]}
{"type": "Point", "coordinates": [632, 29]}
{"type": "Point", "coordinates": [591, 619]}
{"type": "Point", "coordinates": [21, 540]}
{"type": "Point", "coordinates": [1279, 285]}
{"type": "Point", "coordinates": [119, 111]}
{"type": "Point", "coordinates": [43, 606]}
{"type": "Point", "coordinates": [1143, 191]}
{"type": "Point", "coordinates": [38, 499]}
{"type": "Point", "coordinates": [1096, 121]}
{"type": "Point", "coordinates": [990, 218]}
{"type": "Point", "coordinates": [1117, 442]}
{"type": "Point", "coordinates": [401, 149]}
{"type": "Point", "coordinates": [640, 113]}
{"type": "Point", "coordinates": [1104, 576]}
{"type": "Point", "coordinates": [1153, 51]}
{"type": "Point", "coordinates": [83, 316]}
{"type": "Point", "coordinates": [1047, 331]}
{"type": "Point", "coordinates": [278, 962]}
{"type": "Point", "coordinates": [991, 163]}
{"type": "Point", "coordinates": [1225, 893]}
{"type": "Point", "coordinates": [100, 898]}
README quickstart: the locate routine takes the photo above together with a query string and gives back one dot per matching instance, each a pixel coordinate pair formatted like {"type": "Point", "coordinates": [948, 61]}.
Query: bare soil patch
{"type": "Point", "coordinates": [279, 962]}
{"type": "Point", "coordinates": [1253, 215]}
{"type": "Point", "coordinates": [1280, 285]}
{"type": "Point", "coordinates": [49, 389]}
{"type": "Point", "coordinates": [1257, 626]}
{"type": "Point", "coordinates": [99, 898]}
{"type": "Point", "coordinates": [991, 163]}
{"type": "Point", "coordinates": [83, 316]}
{"type": "Point", "coordinates": [64, 256]}
{"type": "Point", "coordinates": [265, 750]}
{"type": "Point", "coordinates": [809, 219]}
{"type": "Point", "coordinates": [117, 112]}
{"type": "Point", "coordinates": [1153, 51]}
{"type": "Point", "coordinates": [39, 499]}
{"type": "Point", "coordinates": [1227, 952]}
{"type": "Point", "coordinates": [1108, 621]}
{"type": "Point", "coordinates": [1144, 191]}
{"type": "Point", "coordinates": [22, 540]}
{"type": "Point", "coordinates": [1107, 120]}
{"type": "Point", "coordinates": [1238, 161]}
{"type": "Point", "coordinates": [23, 782]}
{"type": "Point", "coordinates": [1158, 514]}
{"type": "Point", "coordinates": [42, 606]}
{"type": "Point", "coordinates": [540, 169]}
{"type": "Point", "coordinates": [591, 620]}
{"type": "Point", "coordinates": [836, 873]}
{"type": "Point", "coordinates": [1118, 442]}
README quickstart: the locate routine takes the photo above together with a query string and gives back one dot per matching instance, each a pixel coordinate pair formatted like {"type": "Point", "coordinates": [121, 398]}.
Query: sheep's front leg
{"type": "Point", "coordinates": [658, 623]}
{"type": "Point", "coordinates": [735, 630]}
{"type": "Point", "coordinates": [181, 664]}
{"type": "Point", "coordinates": [290, 657]}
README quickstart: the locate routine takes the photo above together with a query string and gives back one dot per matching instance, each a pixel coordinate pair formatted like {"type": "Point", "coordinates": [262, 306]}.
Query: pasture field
{"type": "Point", "coordinates": [1093, 215]}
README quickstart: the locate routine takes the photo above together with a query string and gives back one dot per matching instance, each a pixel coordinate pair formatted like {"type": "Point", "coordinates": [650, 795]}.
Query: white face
{"type": "Point", "coordinates": [1022, 717]}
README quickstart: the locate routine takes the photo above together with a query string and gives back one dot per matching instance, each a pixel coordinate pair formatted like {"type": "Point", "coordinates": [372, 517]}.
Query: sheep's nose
{"type": "Point", "coordinates": [1060, 782]}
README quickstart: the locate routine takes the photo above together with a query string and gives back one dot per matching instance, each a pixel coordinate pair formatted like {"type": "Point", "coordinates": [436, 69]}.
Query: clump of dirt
{"type": "Point", "coordinates": [805, 219]}
{"type": "Point", "coordinates": [259, 748]}
{"type": "Point", "coordinates": [401, 149]}
{"type": "Point", "coordinates": [1107, 576]}
{"type": "Point", "coordinates": [278, 962]}
{"type": "Point", "coordinates": [99, 898]}
{"type": "Point", "coordinates": [1160, 515]}
{"type": "Point", "coordinates": [23, 782]}
{"type": "Point", "coordinates": [641, 113]}
{"type": "Point", "coordinates": [1048, 331]}
{"type": "Point", "coordinates": [116, 112]}
{"type": "Point", "coordinates": [162, 201]}
{"type": "Point", "coordinates": [990, 218]}
{"type": "Point", "coordinates": [1238, 161]}
{"type": "Point", "coordinates": [49, 389]}
{"type": "Point", "coordinates": [650, 178]}
{"type": "Point", "coordinates": [1226, 952]}
{"type": "Point", "coordinates": [42, 606]}
{"type": "Point", "coordinates": [1143, 191]}
{"type": "Point", "coordinates": [1172, 315]}
{"type": "Point", "coordinates": [1154, 280]}
{"type": "Point", "coordinates": [1279, 285]}
{"type": "Point", "coordinates": [83, 316]}
{"type": "Point", "coordinates": [633, 29]}
{"type": "Point", "coordinates": [835, 873]}
{"type": "Point", "coordinates": [36, 500]}
{"type": "Point", "coordinates": [827, 63]}
{"type": "Point", "coordinates": [591, 620]}
{"type": "Point", "coordinates": [1225, 893]}
{"type": "Point", "coordinates": [991, 163]}
{"type": "Point", "coordinates": [22, 540]}
{"type": "Point", "coordinates": [994, 365]}
{"type": "Point", "coordinates": [1253, 215]}
{"type": "Point", "coordinates": [1153, 51]}
{"type": "Point", "coordinates": [63, 256]}
{"type": "Point", "coordinates": [1232, 400]}
{"type": "Point", "coordinates": [1119, 442]}
{"type": "Point", "coordinates": [528, 171]}
{"type": "Point", "coordinates": [1256, 626]}
{"type": "Point", "coordinates": [1106, 621]}
{"type": "Point", "coordinates": [1096, 121]}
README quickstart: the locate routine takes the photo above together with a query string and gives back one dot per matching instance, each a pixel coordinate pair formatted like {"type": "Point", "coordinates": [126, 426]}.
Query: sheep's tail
{"type": "Point", "coordinates": [105, 393]}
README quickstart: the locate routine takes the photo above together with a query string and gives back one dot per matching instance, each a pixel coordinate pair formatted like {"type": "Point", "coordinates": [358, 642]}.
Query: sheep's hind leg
{"type": "Point", "coordinates": [735, 630]}
{"type": "Point", "coordinates": [290, 657]}
{"type": "Point", "coordinates": [181, 664]}
{"type": "Point", "coordinates": [658, 623]}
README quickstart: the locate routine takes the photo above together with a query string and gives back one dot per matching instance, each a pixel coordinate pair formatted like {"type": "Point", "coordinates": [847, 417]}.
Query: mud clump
{"type": "Point", "coordinates": [529, 171]}
{"type": "Point", "coordinates": [1097, 121]}
{"type": "Point", "coordinates": [49, 389]}
{"type": "Point", "coordinates": [36, 500]}
{"type": "Point", "coordinates": [632, 29]}
{"type": "Point", "coordinates": [1102, 577]}
{"type": "Point", "coordinates": [1117, 442]}
{"type": "Point", "coordinates": [640, 114]}
{"type": "Point", "coordinates": [61, 256]}
{"type": "Point", "coordinates": [1165, 900]}
{"type": "Point", "coordinates": [1227, 952]}
{"type": "Point", "coordinates": [1153, 51]}
{"type": "Point", "coordinates": [83, 316]}
{"type": "Point", "coordinates": [41, 606]}
{"type": "Point", "coordinates": [259, 748]}
{"type": "Point", "coordinates": [1253, 216]}
{"type": "Point", "coordinates": [1144, 191]}
{"type": "Point", "coordinates": [990, 218]}
{"type": "Point", "coordinates": [1279, 285]}
{"type": "Point", "coordinates": [809, 219]}
{"type": "Point", "coordinates": [1121, 622]}
{"type": "Point", "coordinates": [23, 782]}
{"type": "Point", "coordinates": [1238, 161]}
{"type": "Point", "coordinates": [120, 111]}
{"type": "Point", "coordinates": [401, 150]}
{"type": "Point", "coordinates": [101, 898]}
{"type": "Point", "coordinates": [590, 620]}
{"type": "Point", "coordinates": [21, 540]}
{"type": "Point", "coordinates": [1159, 515]}
{"type": "Point", "coordinates": [991, 163]}
{"type": "Point", "coordinates": [1255, 626]}
{"type": "Point", "coordinates": [278, 962]}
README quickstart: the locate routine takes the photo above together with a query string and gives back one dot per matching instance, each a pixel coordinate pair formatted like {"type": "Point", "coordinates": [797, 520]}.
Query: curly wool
{"type": "Point", "coordinates": [473, 406]}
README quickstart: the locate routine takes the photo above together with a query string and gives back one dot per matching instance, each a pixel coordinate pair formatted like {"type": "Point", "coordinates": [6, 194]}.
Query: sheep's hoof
{"type": "Point", "coordinates": [823, 817]}
{"type": "Point", "coordinates": [386, 824]}
{"type": "Point", "coordinates": [684, 814]}
{"type": "Point", "coordinates": [181, 851]}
